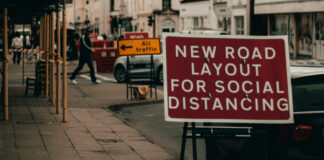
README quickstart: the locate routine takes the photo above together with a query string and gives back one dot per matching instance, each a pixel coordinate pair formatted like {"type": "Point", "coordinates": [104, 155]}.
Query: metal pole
{"type": "Point", "coordinates": [154, 34]}
{"type": "Point", "coordinates": [128, 79]}
{"type": "Point", "coordinates": [58, 64]}
{"type": "Point", "coordinates": [194, 141]}
{"type": "Point", "coordinates": [151, 76]}
{"type": "Point", "coordinates": [5, 64]}
{"type": "Point", "coordinates": [184, 138]}
{"type": "Point", "coordinates": [52, 58]}
{"type": "Point", "coordinates": [65, 118]}
{"type": "Point", "coordinates": [266, 149]}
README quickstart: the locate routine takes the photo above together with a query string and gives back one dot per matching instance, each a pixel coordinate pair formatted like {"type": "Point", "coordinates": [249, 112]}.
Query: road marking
{"type": "Point", "coordinates": [100, 77]}
{"type": "Point", "coordinates": [105, 78]}
{"type": "Point", "coordinates": [85, 76]}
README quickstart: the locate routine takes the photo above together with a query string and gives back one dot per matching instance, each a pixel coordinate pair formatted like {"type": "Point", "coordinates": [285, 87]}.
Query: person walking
{"type": "Point", "coordinates": [85, 57]}
{"type": "Point", "coordinates": [16, 44]}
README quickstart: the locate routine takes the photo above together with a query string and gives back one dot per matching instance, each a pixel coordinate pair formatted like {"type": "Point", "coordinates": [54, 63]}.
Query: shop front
{"type": "Point", "coordinates": [303, 22]}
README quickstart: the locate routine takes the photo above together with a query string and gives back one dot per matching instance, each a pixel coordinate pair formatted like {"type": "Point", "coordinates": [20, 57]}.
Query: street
{"type": "Point", "coordinates": [141, 80]}
{"type": "Point", "coordinates": [149, 121]}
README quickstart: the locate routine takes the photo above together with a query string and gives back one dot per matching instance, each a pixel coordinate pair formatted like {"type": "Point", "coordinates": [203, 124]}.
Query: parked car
{"type": "Point", "coordinates": [303, 140]}
{"type": "Point", "coordinates": [139, 67]}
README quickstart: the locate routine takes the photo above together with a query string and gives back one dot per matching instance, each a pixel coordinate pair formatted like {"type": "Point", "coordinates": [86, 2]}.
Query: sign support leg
{"type": "Point", "coordinates": [266, 149]}
{"type": "Point", "coordinates": [129, 87]}
{"type": "Point", "coordinates": [151, 83]}
{"type": "Point", "coordinates": [183, 143]}
{"type": "Point", "coordinates": [194, 141]}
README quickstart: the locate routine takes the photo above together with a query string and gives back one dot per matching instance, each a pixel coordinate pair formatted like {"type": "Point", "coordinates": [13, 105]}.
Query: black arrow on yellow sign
{"type": "Point", "coordinates": [123, 47]}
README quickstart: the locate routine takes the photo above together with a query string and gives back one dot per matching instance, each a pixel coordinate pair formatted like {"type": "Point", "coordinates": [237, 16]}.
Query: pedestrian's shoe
{"type": "Point", "coordinates": [73, 81]}
{"type": "Point", "coordinates": [97, 81]}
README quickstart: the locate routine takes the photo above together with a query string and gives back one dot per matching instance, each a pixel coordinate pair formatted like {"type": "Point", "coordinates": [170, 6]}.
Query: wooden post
{"type": "Point", "coordinates": [46, 55]}
{"type": "Point", "coordinates": [65, 118]}
{"type": "Point", "coordinates": [52, 58]}
{"type": "Point", "coordinates": [41, 34]}
{"type": "Point", "coordinates": [44, 43]}
{"type": "Point", "coordinates": [49, 50]}
{"type": "Point", "coordinates": [5, 64]}
{"type": "Point", "coordinates": [58, 64]}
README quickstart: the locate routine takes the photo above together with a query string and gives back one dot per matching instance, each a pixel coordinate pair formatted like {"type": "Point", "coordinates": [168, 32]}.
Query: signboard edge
{"type": "Point", "coordinates": [234, 121]}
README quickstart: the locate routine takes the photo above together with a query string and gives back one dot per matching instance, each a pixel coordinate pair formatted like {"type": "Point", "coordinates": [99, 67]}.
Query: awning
{"type": "Point", "coordinates": [287, 6]}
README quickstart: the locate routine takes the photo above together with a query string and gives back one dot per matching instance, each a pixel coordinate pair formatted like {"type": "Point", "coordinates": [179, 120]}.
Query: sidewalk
{"type": "Point", "coordinates": [34, 131]}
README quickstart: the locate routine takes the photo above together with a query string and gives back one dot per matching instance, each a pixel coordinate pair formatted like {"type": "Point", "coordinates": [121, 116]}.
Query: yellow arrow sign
{"type": "Point", "coordinates": [129, 47]}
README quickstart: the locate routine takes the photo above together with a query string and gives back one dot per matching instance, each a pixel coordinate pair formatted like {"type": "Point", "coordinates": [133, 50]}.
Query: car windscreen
{"type": "Point", "coordinates": [308, 94]}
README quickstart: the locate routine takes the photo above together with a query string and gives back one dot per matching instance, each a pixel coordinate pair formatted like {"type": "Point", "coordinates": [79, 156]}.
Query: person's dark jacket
{"type": "Point", "coordinates": [85, 47]}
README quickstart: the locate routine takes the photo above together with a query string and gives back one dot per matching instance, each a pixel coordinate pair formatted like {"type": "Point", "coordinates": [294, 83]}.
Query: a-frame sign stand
{"type": "Point", "coordinates": [203, 131]}
{"type": "Point", "coordinates": [129, 83]}
{"type": "Point", "coordinates": [131, 47]}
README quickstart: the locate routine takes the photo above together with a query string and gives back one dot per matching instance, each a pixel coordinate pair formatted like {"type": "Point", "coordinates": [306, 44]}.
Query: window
{"type": "Point", "coordinates": [182, 23]}
{"type": "Point", "coordinates": [198, 22]}
{"type": "Point", "coordinates": [239, 25]}
{"type": "Point", "coordinates": [112, 5]}
{"type": "Point", "coordinates": [220, 23]}
{"type": "Point", "coordinates": [195, 21]}
{"type": "Point", "coordinates": [308, 96]}
{"type": "Point", "coordinates": [96, 28]}
{"type": "Point", "coordinates": [97, 19]}
{"type": "Point", "coordinates": [166, 4]}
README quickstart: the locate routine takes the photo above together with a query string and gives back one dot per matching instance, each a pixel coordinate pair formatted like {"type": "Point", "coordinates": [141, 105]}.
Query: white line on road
{"type": "Point", "coordinates": [98, 76]}
{"type": "Point", "coordinates": [105, 78]}
{"type": "Point", "coordinates": [85, 76]}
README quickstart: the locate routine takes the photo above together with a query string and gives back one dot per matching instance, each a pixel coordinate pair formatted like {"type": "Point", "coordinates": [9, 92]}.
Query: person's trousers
{"type": "Point", "coordinates": [82, 61]}
{"type": "Point", "coordinates": [16, 57]}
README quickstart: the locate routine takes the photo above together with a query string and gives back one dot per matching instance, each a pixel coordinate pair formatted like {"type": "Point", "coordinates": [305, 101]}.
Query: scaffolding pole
{"type": "Point", "coordinates": [52, 53]}
{"type": "Point", "coordinates": [5, 64]}
{"type": "Point", "coordinates": [65, 118]}
{"type": "Point", "coordinates": [58, 64]}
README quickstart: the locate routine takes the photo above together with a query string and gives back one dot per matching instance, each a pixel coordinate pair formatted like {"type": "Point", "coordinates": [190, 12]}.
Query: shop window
{"type": "Point", "coordinates": [319, 35]}
{"type": "Point", "coordinates": [305, 40]}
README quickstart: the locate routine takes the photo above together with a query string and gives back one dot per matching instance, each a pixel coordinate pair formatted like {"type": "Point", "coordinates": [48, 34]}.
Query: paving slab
{"type": "Point", "coordinates": [34, 130]}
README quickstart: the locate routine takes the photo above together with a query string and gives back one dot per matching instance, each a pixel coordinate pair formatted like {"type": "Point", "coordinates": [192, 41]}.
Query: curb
{"type": "Point", "coordinates": [116, 107]}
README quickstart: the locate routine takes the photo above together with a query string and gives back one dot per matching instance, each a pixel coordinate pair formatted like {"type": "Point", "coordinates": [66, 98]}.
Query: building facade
{"type": "Point", "coordinates": [239, 17]}
{"type": "Point", "coordinates": [192, 18]}
{"type": "Point", "coordinates": [134, 15]}
{"type": "Point", "coordinates": [88, 13]}
{"type": "Point", "coordinates": [166, 17]}
{"type": "Point", "coordinates": [220, 15]}
{"type": "Point", "coordinates": [301, 20]}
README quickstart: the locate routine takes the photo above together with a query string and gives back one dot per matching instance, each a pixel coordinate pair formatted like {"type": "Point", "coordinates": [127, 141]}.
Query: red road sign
{"type": "Point", "coordinates": [227, 79]}
{"type": "Point", "coordinates": [136, 35]}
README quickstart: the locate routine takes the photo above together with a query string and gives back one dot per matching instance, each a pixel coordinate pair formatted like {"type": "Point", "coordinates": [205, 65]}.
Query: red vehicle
{"type": "Point", "coordinates": [105, 53]}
